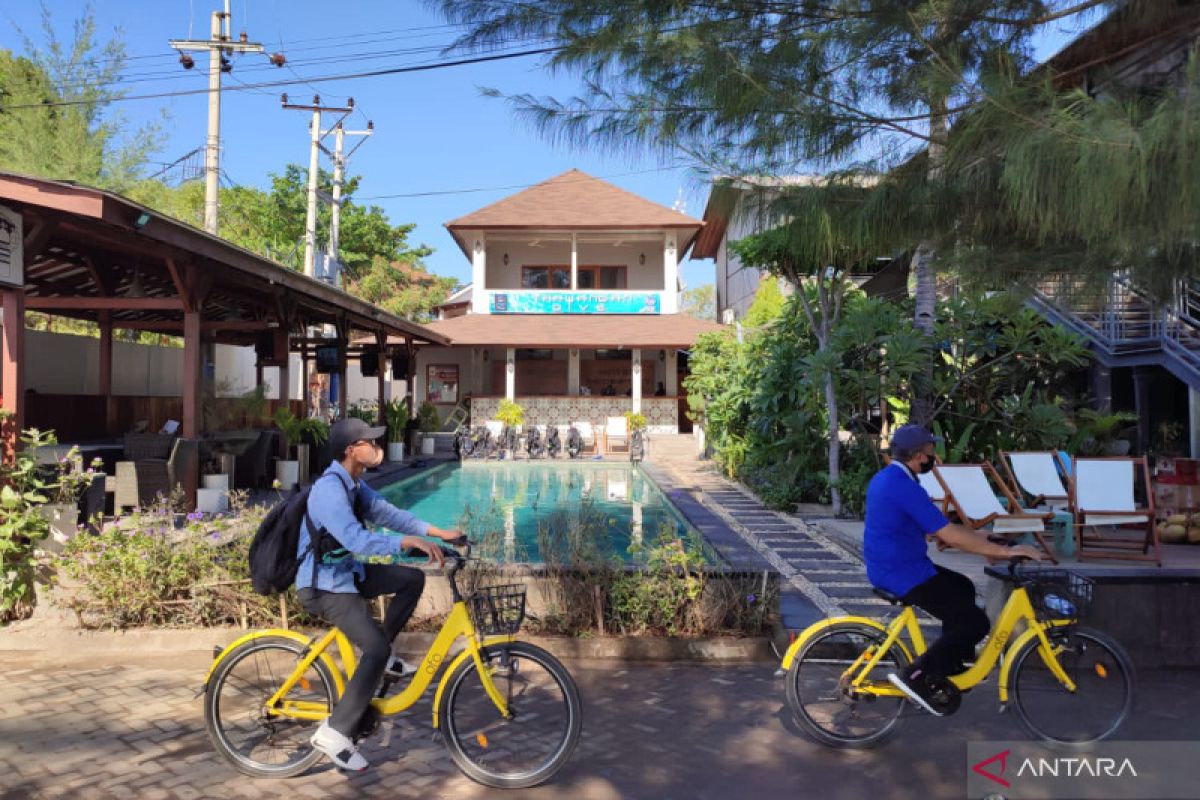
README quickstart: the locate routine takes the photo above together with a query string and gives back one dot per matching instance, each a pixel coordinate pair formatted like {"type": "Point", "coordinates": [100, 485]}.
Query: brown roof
{"type": "Point", "coordinates": [576, 200]}
{"type": "Point", "coordinates": [559, 331]}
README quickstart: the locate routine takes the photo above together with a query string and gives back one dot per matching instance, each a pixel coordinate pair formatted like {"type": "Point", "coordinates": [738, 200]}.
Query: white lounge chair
{"type": "Point", "coordinates": [937, 493]}
{"type": "Point", "coordinates": [616, 434]}
{"type": "Point", "coordinates": [1037, 475]}
{"type": "Point", "coordinates": [969, 490]}
{"type": "Point", "coordinates": [1102, 496]}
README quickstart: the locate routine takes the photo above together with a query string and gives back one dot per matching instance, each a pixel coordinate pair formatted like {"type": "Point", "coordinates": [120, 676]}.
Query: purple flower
{"type": "Point", "coordinates": [195, 516]}
{"type": "Point", "coordinates": [750, 598]}
{"type": "Point", "coordinates": [215, 536]}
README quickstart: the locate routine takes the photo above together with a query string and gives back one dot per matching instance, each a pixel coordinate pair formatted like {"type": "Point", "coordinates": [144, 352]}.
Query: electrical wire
{"type": "Point", "coordinates": [510, 187]}
{"type": "Point", "coordinates": [378, 73]}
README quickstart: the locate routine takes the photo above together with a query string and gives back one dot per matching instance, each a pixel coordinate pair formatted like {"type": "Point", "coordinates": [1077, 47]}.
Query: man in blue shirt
{"type": "Point", "coordinates": [332, 584]}
{"type": "Point", "coordinates": [899, 517]}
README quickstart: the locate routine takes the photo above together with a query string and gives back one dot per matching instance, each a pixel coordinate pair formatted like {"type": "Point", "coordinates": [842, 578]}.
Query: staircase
{"type": "Point", "coordinates": [1123, 326]}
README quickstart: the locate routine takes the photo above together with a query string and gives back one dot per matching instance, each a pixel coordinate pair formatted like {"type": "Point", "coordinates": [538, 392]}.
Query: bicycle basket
{"type": "Point", "coordinates": [1059, 593]}
{"type": "Point", "coordinates": [498, 610]}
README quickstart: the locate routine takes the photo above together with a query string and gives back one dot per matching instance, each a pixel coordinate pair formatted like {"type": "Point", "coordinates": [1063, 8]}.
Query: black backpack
{"type": "Point", "coordinates": [273, 558]}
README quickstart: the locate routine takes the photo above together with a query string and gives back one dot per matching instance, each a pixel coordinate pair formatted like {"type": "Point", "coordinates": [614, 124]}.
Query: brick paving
{"type": "Point", "coordinates": [132, 730]}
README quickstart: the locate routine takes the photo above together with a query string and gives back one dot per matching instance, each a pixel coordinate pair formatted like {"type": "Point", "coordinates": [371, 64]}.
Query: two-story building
{"type": "Point", "coordinates": [572, 311]}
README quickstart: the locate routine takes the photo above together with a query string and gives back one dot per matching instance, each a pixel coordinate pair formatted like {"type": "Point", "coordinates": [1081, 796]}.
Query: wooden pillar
{"type": "Point", "coordinates": [283, 357]}
{"type": "Point", "coordinates": [106, 369]}
{"type": "Point", "coordinates": [1142, 378]}
{"type": "Point", "coordinates": [191, 374]}
{"type": "Point", "coordinates": [381, 372]}
{"type": "Point", "coordinates": [306, 393]}
{"type": "Point", "coordinates": [409, 382]}
{"type": "Point", "coordinates": [12, 369]}
{"type": "Point", "coordinates": [671, 374]}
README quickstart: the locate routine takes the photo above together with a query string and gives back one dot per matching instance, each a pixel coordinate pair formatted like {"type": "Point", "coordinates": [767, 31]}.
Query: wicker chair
{"type": "Point", "coordinates": [159, 476]}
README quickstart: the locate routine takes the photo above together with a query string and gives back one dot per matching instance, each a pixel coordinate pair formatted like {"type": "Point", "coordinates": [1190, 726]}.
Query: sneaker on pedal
{"type": "Point", "coordinates": [339, 747]}
{"type": "Point", "coordinates": [397, 668]}
{"type": "Point", "coordinates": [916, 689]}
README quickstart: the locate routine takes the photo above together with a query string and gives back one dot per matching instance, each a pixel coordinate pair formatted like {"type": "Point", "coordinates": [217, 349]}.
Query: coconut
{"type": "Point", "coordinates": [1173, 533]}
{"type": "Point", "coordinates": [1193, 535]}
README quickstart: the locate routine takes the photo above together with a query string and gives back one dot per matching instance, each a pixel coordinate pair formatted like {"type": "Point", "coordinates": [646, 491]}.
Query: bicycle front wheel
{"type": "Point", "coordinates": [533, 745]}
{"type": "Point", "coordinates": [1104, 689]}
{"type": "Point", "coordinates": [243, 731]}
{"type": "Point", "coordinates": [821, 698]}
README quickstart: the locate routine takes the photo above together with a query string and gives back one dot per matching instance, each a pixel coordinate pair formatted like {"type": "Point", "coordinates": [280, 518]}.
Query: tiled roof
{"type": "Point", "coordinates": [576, 200]}
{"type": "Point", "coordinates": [559, 331]}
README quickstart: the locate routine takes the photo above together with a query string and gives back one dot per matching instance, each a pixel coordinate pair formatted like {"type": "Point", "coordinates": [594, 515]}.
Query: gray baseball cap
{"type": "Point", "coordinates": [346, 432]}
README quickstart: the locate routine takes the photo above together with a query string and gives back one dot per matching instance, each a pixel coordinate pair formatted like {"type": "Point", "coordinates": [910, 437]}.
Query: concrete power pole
{"type": "Point", "coordinates": [310, 219]}
{"type": "Point", "coordinates": [219, 46]}
{"type": "Point", "coordinates": [339, 174]}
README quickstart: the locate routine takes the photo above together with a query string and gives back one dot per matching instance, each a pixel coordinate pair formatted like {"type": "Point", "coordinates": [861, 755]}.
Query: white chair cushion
{"type": "Point", "coordinates": [1104, 485]}
{"type": "Point", "coordinates": [1037, 474]}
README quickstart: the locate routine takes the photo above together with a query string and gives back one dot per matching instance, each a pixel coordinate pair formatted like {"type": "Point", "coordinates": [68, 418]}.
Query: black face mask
{"type": "Point", "coordinates": [927, 466]}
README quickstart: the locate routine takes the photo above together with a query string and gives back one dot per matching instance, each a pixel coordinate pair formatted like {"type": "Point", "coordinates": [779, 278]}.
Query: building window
{"type": "Point", "coordinates": [534, 354]}
{"type": "Point", "coordinates": [614, 355]}
{"type": "Point", "coordinates": [546, 277]}
{"type": "Point", "coordinates": [602, 277]}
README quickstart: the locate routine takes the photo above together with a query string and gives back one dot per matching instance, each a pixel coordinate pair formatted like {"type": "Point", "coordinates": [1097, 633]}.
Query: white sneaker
{"type": "Point", "coordinates": [339, 747]}
{"type": "Point", "coordinates": [398, 668]}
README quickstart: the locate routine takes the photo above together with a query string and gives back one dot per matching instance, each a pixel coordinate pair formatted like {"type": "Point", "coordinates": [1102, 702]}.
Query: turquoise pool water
{"type": "Point", "coordinates": [512, 500]}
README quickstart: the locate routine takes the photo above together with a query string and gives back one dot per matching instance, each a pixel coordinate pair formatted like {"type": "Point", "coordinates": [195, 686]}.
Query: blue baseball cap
{"type": "Point", "coordinates": [911, 437]}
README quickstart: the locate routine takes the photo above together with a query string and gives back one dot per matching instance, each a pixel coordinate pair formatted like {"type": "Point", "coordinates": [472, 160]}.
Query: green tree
{"type": "Point", "coordinates": [700, 302]}
{"type": "Point", "coordinates": [86, 141]}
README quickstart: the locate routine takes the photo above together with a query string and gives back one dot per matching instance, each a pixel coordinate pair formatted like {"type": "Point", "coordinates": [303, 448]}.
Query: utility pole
{"type": "Point", "coordinates": [310, 219]}
{"type": "Point", "coordinates": [339, 174]}
{"type": "Point", "coordinates": [219, 46]}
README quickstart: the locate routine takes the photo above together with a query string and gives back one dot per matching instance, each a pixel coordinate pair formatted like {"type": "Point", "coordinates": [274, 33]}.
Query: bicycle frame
{"type": "Point", "coordinates": [1001, 642]}
{"type": "Point", "coordinates": [458, 624]}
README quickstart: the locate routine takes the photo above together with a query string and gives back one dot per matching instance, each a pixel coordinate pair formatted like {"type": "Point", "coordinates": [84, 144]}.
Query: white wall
{"type": "Point", "coordinates": [61, 363]}
{"type": "Point", "coordinates": [500, 276]}
{"type": "Point", "coordinates": [648, 276]}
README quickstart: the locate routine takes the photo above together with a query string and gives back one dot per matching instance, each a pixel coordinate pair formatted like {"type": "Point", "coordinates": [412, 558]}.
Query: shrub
{"type": "Point", "coordinates": [24, 488]}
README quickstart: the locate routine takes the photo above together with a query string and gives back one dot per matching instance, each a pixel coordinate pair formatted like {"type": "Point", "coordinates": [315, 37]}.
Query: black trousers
{"type": "Point", "coordinates": [950, 597]}
{"type": "Point", "coordinates": [352, 614]}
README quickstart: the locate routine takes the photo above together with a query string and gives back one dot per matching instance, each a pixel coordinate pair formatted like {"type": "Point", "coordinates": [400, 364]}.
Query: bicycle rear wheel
{"type": "Point", "coordinates": [820, 697]}
{"type": "Point", "coordinates": [1103, 697]}
{"type": "Point", "coordinates": [546, 717]}
{"type": "Point", "coordinates": [255, 741]}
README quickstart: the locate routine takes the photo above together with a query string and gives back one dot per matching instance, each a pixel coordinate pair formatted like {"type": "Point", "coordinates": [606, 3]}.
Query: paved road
{"type": "Point", "coordinates": [101, 730]}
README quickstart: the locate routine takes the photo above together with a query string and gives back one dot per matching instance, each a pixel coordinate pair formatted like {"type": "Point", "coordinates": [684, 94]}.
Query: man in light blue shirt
{"type": "Point", "coordinates": [334, 585]}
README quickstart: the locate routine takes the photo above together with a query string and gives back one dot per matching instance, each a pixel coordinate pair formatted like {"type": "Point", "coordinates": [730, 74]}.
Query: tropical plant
{"type": "Point", "coordinates": [1098, 433]}
{"type": "Point", "coordinates": [291, 426]}
{"type": "Point", "coordinates": [427, 418]}
{"type": "Point", "coordinates": [366, 411]}
{"type": "Point", "coordinates": [24, 489]}
{"type": "Point", "coordinates": [510, 413]}
{"type": "Point", "coordinates": [635, 420]}
{"type": "Point", "coordinates": [395, 415]}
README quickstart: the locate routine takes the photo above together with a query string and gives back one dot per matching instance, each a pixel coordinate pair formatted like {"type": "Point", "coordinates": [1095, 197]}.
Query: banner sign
{"type": "Point", "coordinates": [542, 302]}
{"type": "Point", "coordinates": [12, 259]}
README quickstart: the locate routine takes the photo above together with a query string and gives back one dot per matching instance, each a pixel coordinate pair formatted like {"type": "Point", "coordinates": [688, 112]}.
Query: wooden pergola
{"type": "Point", "coordinates": [79, 252]}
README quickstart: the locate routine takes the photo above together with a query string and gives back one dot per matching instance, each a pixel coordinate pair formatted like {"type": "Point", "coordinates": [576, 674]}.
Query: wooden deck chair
{"type": "Point", "coordinates": [616, 435]}
{"type": "Point", "coordinates": [1102, 496]}
{"type": "Point", "coordinates": [1036, 474]}
{"type": "Point", "coordinates": [969, 491]}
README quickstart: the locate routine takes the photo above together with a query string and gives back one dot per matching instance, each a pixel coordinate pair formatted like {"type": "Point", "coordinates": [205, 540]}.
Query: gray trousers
{"type": "Point", "coordinates": [352, 615]}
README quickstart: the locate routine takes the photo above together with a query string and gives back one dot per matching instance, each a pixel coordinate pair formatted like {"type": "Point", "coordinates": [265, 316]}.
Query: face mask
{"type": "Point", "coordinates": [927, 466]}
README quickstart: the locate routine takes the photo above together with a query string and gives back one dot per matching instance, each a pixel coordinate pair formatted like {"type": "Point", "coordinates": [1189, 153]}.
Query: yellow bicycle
{"type": "Point", "coordinates": [508, 711]}
{"type": "Point", "coordinates": [1069, 685]}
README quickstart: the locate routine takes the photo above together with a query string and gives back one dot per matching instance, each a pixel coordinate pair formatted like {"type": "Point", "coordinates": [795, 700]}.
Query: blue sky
{"type": "Point", "coordinates": [434, 130]}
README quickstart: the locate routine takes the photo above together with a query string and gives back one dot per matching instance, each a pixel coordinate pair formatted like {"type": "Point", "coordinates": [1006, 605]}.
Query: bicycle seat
{"type": "Point", "coordinates": [884, 594]}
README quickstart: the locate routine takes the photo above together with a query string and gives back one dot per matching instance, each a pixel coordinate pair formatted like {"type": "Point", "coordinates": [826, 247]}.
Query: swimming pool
{"type": "Point", "coordinates": [514, 500]}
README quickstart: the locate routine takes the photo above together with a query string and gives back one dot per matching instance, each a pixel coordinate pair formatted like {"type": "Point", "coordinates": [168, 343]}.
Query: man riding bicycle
{"type": "Point", "coordinates": [899, 517]}
{"type": "Point", "coordinates": [333, 585]}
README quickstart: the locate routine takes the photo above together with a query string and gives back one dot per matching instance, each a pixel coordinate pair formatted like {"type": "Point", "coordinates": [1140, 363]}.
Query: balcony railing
{"type": "Point", "coordinates": [580, 301]}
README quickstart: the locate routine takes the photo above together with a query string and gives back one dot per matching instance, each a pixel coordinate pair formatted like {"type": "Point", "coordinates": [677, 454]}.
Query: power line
{"type": "Point", "coordinates": [291, 82]}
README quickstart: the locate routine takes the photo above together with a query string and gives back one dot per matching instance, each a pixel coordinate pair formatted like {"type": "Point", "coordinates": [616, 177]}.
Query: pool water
{"type": "Point", "coordinates": [512, 500]}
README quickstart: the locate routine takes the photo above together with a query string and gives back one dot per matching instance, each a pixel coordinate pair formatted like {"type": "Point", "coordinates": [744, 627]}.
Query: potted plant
{"type": "Point", "coordinates": [314, 432]}
{"type": "Point", "coordinates": [395, 415]}
{"type": "Point", "coordinates": [287, 471]}
{"type": "Point", "coordinates": [513, 416]}
{"type": "Point", "coordinates": [636, 422]}
{"type": "Point", "coordinates": [428, 421]}
{"type": "Point", "coordinates": [62, 510]}
{"type": "Point", "coordinates": [1100, 433]}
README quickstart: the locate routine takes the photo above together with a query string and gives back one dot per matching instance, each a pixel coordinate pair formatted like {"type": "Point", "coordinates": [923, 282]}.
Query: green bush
{"type": "Point", "coordinates": [24, 489]}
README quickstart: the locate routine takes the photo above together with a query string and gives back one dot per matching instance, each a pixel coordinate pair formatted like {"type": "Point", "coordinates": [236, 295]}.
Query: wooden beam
{"type": "Point", "coordinates": [381, 366]}
{"type": "Point", "coordinates": [179, 274]}
{"type": "Point", "coordinates": [191, 374]}
{"type": "Point", "coordinates": [12, 369]}
{"type": "Point", "coordinates": [104, 303]}
{"type": "Point", "coordinates": [37, 237]}
{"type": "Point", "coordinates": [167, 326]}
